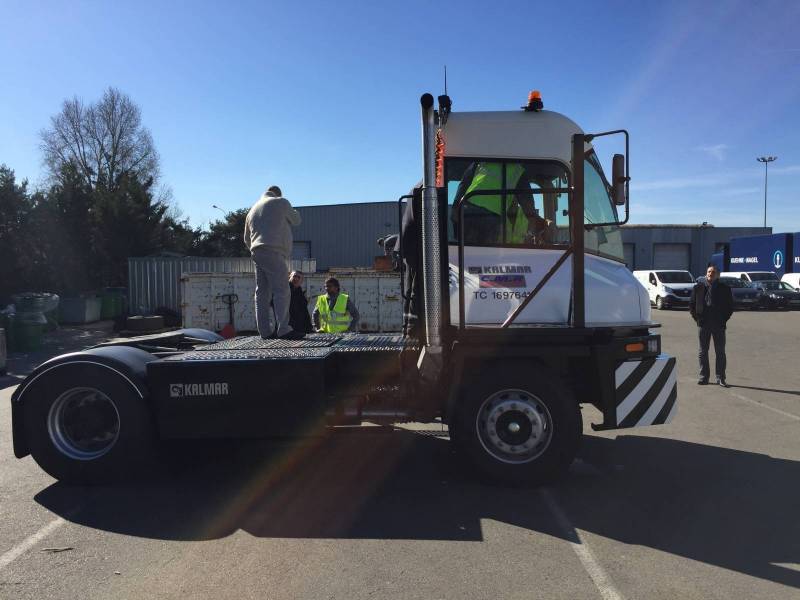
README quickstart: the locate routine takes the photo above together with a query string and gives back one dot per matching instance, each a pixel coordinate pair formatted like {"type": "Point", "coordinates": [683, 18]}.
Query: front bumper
{"type": "Point", "coordinates": [673, 300]}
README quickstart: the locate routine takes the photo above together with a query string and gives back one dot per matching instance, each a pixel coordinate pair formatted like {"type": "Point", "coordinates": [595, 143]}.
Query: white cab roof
{"type": "Point", "coordinates": [511, 134]}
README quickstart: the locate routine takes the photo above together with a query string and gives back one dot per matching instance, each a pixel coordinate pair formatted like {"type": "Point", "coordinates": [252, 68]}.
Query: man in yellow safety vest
{"type": "Point", "coordinates": [335, 312]}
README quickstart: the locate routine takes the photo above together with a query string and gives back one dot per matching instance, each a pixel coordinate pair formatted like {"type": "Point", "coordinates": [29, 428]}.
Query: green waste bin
{"type": "Point", "coordinates": [28, 331]}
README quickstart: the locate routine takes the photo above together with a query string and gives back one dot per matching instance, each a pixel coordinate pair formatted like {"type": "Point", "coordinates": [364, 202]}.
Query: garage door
{"type": "Point", "coordinates": [671, 256]}
{"type": "Point", "coordinates": [301, 250]}
{"type": "Point", "coordinates": [629, 254]}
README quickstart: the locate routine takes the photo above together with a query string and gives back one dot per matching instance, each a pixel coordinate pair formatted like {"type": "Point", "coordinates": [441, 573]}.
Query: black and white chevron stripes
{"type": "Point", "coordinates": [646, 392]}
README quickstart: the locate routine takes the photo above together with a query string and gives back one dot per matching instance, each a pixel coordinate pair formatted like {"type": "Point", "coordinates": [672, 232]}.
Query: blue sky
{"type": "Point", "coordinates": [322, 97]}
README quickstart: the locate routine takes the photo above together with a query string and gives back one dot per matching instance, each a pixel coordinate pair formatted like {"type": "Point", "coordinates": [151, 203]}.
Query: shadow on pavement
{"type": "Point", "coordinates": [763, 389]}
{"type": "Point", "coordinates": [733, 509]}
{"type": "Point", "coordinates": [7, 381]}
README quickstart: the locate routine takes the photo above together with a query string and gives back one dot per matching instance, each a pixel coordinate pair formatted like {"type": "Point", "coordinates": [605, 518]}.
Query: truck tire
{"type": "Point", "coordinates": [659, 303]}
{"type": "Point", "coordinates": [519, 425]}
{"type": "Point", "coordinates": [86, 424]}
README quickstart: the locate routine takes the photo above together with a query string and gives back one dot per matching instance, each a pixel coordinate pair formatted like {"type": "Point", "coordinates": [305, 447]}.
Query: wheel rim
{"type": "Point", "coordinates": [83, 423]}
{"type": "Point", "coordinates": [514, 426]}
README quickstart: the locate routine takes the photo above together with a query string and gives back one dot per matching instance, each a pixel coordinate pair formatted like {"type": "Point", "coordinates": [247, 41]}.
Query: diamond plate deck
{"type": "Point", "coordinates": [314, 345]}
{"type": "Point", "coordinates": [372, 343]}
{"type": "Point", "coordinates": [254, 342]}
{"type": "Point", "coordinates": [252, 354]}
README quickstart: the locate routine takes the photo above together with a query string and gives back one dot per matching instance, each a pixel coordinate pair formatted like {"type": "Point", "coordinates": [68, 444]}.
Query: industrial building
{"type": "Point", "coordinates": [345, 235]}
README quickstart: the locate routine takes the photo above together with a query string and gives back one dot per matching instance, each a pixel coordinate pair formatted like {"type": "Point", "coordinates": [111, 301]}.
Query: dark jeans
{"type": "Point", "coordinates": [705, 333]}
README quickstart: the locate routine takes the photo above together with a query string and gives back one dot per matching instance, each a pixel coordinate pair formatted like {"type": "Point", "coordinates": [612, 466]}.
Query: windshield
{"type": "Point", "coordinates": [775, 285]}
{"type": "Point", "coordinates": [763, 276]}
{"type": "Point", "coordinates": [522, 219]}
{"type": "Point", "coordinates": [675, 277]}
{"type": "Point", "coordinates": [598, 208]}
{"type": "Point", "coordinates": [732, 282]}
{"type": "Point", "coordinates": [526, 218]}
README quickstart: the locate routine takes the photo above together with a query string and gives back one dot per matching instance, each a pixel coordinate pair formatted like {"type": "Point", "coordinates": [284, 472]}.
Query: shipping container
{"type": "Point", "coordinates": [775, 253]}
{"type": "Point", "coordinates": [376, 296]}
{"type": "Point", "coordinates": [155, 281]}
{"type": "Point", "coordinates": [796, 252]}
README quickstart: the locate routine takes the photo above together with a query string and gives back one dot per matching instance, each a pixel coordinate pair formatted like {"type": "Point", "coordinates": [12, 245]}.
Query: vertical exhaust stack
{"type": "Point", "coordinates": [430, 360]}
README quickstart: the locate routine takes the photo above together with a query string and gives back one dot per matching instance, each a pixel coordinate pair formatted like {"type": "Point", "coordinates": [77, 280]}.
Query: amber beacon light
{"type": "Point", "coordinates": [534, 101]}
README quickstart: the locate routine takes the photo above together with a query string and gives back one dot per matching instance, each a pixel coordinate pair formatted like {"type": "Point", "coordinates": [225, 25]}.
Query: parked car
{"type": "Point", "coordinates": [745, 296]}
{"type": "Point", "coordinates": [793, 279]}
{"type": "Point", "coordinates": [666, 288]}
{"type": "Point", "coordinates": [778, 294]}
{"type": "Point", "coordinates": [751, 276]}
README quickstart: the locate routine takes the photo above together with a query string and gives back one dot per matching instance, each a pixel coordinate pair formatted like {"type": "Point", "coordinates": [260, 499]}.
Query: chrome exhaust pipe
{"type": "Point", "coordinates": [430, 360]}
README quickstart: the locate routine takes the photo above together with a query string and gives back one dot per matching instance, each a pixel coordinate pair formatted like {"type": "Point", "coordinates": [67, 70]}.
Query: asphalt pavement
{"type": "Point", "coordinates": [705, 507]}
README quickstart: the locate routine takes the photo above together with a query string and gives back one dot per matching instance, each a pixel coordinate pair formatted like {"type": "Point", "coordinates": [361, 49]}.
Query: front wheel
{"type": "Point", "coordinates": [659, 303]}
{"type": "Point", "coordinates": [519, 426]}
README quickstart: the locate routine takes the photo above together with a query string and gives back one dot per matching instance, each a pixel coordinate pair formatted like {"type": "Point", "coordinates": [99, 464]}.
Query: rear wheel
{"type": "Point", "coordinates": [520, 426]}
{"type": "Point", "coordinates": [86, 424]}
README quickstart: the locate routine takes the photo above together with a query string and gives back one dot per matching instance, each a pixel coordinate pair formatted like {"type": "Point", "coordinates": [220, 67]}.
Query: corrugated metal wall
{"type": "Point", "coordinates": [155, 281]}
{"type": "Point", "coordinates": [345, 235]}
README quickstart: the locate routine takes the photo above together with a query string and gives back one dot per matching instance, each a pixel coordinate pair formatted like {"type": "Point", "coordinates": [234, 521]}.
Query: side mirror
{"type": "Point", "coordinates": [618, 179]}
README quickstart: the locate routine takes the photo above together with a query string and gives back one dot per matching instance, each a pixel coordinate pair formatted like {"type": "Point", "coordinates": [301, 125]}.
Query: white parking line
{"type": "Point", "coordinates": [13, 554]}
{"type": "Point", "coordinates": [753, 402]}
{"type": "Point", "coordinates": [598, 576]}
{"type": "Point", "coordinates": [767, 406]}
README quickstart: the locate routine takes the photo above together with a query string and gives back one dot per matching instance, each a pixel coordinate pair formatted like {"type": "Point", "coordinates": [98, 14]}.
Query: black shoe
{"type": "Point", "coordinates": [292, 335]}
{"type": "Point", "coordinates": [702, 381]}
{"type": "Point", "coordinates": [722, 383]}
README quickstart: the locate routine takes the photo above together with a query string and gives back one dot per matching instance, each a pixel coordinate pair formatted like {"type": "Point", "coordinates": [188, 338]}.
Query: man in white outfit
{"type": "Point", "coordinates": [268, 236]}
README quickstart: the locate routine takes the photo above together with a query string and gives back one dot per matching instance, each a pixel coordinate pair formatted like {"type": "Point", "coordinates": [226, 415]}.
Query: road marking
{"type": "Point", "coordinates": [754, 402]}
{"type": "Point", "coordinates": [13, 554]}
{"type": "Point", "coordinates": [767, 406]}
{"type": "Point", "coordinates": [598, 576]}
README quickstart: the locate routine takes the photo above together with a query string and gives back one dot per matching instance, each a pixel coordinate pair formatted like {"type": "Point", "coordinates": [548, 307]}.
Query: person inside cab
{"type": "Point", "coordinates": [494, 219]}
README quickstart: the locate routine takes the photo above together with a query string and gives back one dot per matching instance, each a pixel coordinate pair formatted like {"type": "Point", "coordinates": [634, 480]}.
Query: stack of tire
{"type": "Point", "coordinates": [35, 313]}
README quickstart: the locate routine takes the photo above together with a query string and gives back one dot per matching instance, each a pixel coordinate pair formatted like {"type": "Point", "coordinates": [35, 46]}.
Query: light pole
{"type": "Point", "coordinates": [766, 160]}
{"type": "Point", "coordinates": [224, 213]}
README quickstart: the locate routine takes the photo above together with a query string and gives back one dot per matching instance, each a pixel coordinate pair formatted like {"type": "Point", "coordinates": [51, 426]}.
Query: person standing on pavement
{"type": "Point", "coordinates": [299, 319]}
{"type": "Point", "coordinates": [268, 236]}
{"type": "Point", "coordinates": [711, 306]}
{"type": "Point", "coordinates": [335, 312]}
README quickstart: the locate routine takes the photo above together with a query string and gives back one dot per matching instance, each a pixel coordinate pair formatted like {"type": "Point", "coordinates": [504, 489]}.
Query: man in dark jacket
{"type": "Point", "coordinates": [711, 306]}
{"type": "Point", "coordinates": [299, 319]}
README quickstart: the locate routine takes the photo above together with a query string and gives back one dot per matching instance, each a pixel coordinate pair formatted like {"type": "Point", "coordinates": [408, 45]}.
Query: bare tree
{"type": "Point", "coordinates": [104, 140]}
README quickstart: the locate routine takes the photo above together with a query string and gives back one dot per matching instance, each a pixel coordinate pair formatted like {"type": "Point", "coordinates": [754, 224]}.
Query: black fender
{"type": "Point", "coordinates": [128, 363]}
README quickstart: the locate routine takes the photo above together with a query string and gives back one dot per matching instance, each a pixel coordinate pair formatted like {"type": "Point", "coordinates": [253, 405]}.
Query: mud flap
{"type": "Point", "coordinates": [645, 392]}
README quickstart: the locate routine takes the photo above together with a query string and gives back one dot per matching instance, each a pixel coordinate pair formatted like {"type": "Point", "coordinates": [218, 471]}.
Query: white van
{"type": "Point", "coordinates": [666, 288]}
{"type": "Point", "coordinates": [751, 276]}
{"type": "Point", "coordinates": [793, 279]}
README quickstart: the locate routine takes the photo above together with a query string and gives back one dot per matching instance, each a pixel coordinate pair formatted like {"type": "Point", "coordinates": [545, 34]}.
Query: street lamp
{"type": "Point", "coordinates": [766, 160]}
{"type": "Point", "coordinates": [226, 214]}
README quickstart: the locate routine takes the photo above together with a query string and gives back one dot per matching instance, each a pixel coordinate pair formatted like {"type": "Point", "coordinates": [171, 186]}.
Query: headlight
{"type": "Point", "coordinates": [774, 296]}
{"type": "Point", "coordinates": [669, 290]}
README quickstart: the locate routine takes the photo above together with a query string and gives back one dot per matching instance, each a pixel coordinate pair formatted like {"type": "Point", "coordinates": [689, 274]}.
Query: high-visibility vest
{"type": "Point", "coordinates": [489, 176]}
{"type": "Point", "coordinates": [336, 320]}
